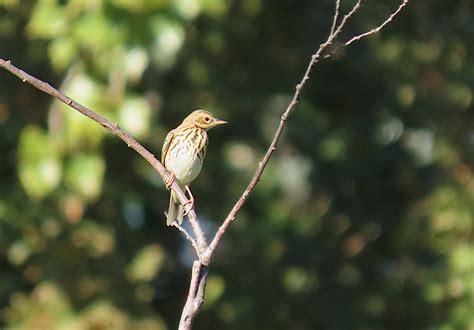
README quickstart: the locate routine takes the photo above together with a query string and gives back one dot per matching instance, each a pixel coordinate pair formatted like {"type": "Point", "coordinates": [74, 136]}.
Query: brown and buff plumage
{"type": "Point", "coordinates": [183, 154]}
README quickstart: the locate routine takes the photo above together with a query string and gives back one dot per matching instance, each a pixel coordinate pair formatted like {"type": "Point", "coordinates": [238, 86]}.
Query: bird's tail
{"type": "Point", "coordinates": [175, 210]}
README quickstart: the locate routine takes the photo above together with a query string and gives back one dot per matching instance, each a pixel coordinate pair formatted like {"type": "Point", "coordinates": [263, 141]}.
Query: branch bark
{"type": "Point", "coordinates": [205, 251]}
{"type": "Point", "coordinates": [114, 128]}
{"type": "Point", "coordinates": [195, 298]}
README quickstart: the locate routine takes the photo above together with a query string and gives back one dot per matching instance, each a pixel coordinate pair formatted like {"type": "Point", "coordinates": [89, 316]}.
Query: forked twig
{"type": "Point", "coordinates": [186, 234]}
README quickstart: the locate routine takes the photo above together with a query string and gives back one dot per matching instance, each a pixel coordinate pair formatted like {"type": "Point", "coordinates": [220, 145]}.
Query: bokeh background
{"type": "Point", "coordinates": [362, 220]}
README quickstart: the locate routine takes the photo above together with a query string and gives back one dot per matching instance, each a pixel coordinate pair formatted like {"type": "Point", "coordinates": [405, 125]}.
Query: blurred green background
{"type": "Point", "coordinates": [362, 220]}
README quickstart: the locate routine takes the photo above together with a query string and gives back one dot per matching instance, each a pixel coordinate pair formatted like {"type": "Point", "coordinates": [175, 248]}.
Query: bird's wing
{"type": "Point", "coordinates": [166, 145]}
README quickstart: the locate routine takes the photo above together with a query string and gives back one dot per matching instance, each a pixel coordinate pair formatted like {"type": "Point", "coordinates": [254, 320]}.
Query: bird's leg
{"type": "Point", "coordinates": [190, 201]}
{"type": "Point", "coordinates": [169, 182]}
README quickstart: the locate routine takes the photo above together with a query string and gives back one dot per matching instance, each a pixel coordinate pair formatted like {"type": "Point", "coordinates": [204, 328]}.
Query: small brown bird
{"type": "Point", "coordinates": [183, 154]}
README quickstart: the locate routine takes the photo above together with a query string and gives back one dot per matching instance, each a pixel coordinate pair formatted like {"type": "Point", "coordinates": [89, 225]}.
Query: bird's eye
{"type": "Point", "coordinates": [206, 119]}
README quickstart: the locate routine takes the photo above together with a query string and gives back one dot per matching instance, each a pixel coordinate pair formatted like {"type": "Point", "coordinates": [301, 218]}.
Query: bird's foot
{"type": "Point", "coordinates": [169, 182]}
{"type": "Point", "coordinates": [190, 202]}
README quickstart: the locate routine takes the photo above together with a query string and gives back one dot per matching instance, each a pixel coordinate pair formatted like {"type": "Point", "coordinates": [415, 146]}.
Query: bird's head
{"type": "Point", "coordinates": [203, 119]}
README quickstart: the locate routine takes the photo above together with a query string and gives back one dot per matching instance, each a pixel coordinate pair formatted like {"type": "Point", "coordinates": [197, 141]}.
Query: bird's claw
{"type": "Point", "coordinates": [169, 182]}
{"type": "Point", "coordinates": [189, 208]}
{"type": "Point", "coordinates": [190, 201]}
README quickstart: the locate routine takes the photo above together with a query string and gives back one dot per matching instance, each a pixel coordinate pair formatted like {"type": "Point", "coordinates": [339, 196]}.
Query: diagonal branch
{"type": "Point", "coordinates": [186, 234]}
{"type": "Point", "coordinates": [315, 58]}
{"type": "Point", "coordinates": [378, 28]}
{"type": "Point", "coordinates": [116, 130]}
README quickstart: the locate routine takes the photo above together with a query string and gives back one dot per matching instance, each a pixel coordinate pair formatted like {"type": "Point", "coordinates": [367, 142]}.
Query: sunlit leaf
{"type": "Point", "coordinates": [40, 168]}
{"type": "Point", "coordinates": [134, 116]}
{"type": "Point", "coordinates": [47, 20]}
{"type": "Point", "coordinates": [84, 174]}
{"type": "Point", "coordinates": [146, 264]}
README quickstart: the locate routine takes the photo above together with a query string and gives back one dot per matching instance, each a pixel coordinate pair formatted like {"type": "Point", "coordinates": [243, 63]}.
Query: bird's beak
{"type": "Point", "coordinates": [217, 122]}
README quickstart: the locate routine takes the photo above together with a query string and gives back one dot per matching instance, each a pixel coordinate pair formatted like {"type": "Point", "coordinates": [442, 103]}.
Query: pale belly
{"type": "Point", "coordinates": [184, 164]}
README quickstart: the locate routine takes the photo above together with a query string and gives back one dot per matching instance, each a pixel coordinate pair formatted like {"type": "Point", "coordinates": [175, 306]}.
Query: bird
{"type": "Point", "coordinates": [183, 154]}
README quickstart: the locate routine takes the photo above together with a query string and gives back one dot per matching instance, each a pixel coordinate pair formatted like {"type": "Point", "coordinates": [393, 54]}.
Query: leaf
{"type": "Point", "coordinates": [40, 169]}
{"type": "Point", "coordinates": [146, 264]}
{"type": "Point", "coordinates": [85, 175]}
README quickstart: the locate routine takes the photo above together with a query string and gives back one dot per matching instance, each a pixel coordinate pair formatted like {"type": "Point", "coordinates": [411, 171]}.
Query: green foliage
{"type": "Point", "coordinates": [363, 219]}
{"type": "Point", "coordinates": [39, 169]}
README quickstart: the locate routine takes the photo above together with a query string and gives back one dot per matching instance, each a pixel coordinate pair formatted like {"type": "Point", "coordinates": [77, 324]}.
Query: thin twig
{"type": "Point", "coordinates": [186, 234]}
{"type": "Point", "coordinates": [345, 19]}
{"type": "Point", "coordinates": [370, 32]}
{"type": "Point", "coordinates": [116, 130]}
{"type": "Point", "coordinates": [378, 28]}
{"type": "Point", "coordinates": [336, 16]}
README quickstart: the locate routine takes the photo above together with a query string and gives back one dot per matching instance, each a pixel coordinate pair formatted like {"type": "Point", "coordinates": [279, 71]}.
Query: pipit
{"type": "Point", "coordinates": [183, 154]}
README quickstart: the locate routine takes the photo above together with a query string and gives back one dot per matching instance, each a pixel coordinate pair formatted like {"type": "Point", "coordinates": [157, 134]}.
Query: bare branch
{"type": "Point", "coordinates": [186, 235]}
{"type": "Point", "coordinates": [378, 28]}
{"type": "Point", "coordinates": [370, 32]}
{"type": "Point", "coordinates": [201, 241]}
{"type": "Point", "coordinates": [315, 58]}
{"type": "Point", "coordinates": [116, 130]}
{"type": "Point", "coordinates": [336, 16]}
{"type": "Point", "coordinates": [195, 298]}
{"type": "Point", "coordinates": [344, 21]}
